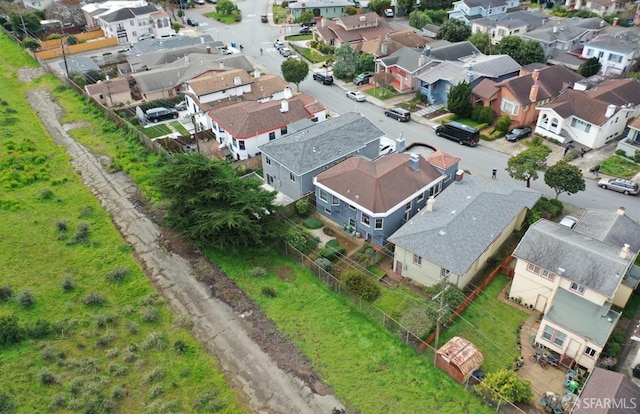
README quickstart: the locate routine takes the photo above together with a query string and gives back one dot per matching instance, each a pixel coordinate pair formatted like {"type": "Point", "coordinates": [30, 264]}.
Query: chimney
{"type": "Point", "coordinates": [284, 106]}
{"type": "Point", "coordinates": [383, 49]}
{"type": "Point", "coordinates": [421, 61]}
{"type": "Point", "coordinates": [431, 201]}
{"type": "Point", "coordinates": [611, 109]}
{"type": "Point", "coordinates": [256, 73]}
{"type": "Point", "coordinates": [208, 50]}
{"type": "Point", "coordinates": [621, 211]}
{"type": "Point", "coordinates": [387, 37]}
{"type": "Point", "coordinates": [237, 81]}
{"type": "Point", "coordinates": [555, 29]}
{"type": "Point", "coordinates": [414, 162]}
{"type": "Point", "coordinates": [287, 93]}
{"type": "Point", "coordinates": [533, 93]}
{"type": "Point", "coordinates": [363, 18]}
{"type": "Point", "coordinates": [625, 252]}
{"type": "Point", "coordinates": [400, 144]}
{"type": "Point", "coordinates": [459, 175]}
{"type": "Point", "coordinates": [426, 51]}
{"type": "Point", "coordinates": [221, 65]}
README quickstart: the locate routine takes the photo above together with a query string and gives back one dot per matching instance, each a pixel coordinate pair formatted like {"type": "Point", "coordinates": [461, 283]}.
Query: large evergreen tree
{"type": "Point", "coordinates": [454, 31]}
{"type": "Point", "coordinates": [522, 51]}
{"type": "Point", "coordinates": [208, 202]}
{"type": "Point", "coordinates": [459, 101]}
{"type": "Point", "coordinates": [590, 67]}
{"type": "Point", "coordinates": [345, 62]}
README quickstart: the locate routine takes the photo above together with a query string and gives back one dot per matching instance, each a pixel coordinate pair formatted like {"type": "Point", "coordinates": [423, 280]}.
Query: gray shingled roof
{"type": "Point", "coordinates": [466, 219]}
{"type": "Point", "coordinates": [484, 3]}
{"type": "Point", "coordinates": [453, 51]}
{"type": "Point", "coordinates": [565, 30]}
{"type": "Point", "coordinates": [128, 13]}
{"type": "Point", "coordinates": [323, 143]}
{"type": "Point", "coordinates": [610, 227]}
{"type": "Point", "coordinates": [582, 316]}
{"type": "Point", "coordinates": [79, 64]}
{"type": "Point", "coordinates": [168, 43]}
{"type": "Point", "coordinates": [620, 44]}
{"type": "Point", "coordinates": [592, 263]}
{"type": "Point", "coordinates": [310, 4]}
{"type": "Point", "coordinates": [408, 58]}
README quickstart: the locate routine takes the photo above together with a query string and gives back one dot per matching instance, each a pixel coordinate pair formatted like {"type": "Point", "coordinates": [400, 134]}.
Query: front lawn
{"type": "Point", "coordinates": [312, 55]}
{"type": "Point", "coordinates": [180, 128]}
{"type": "Point", "coordinates": [279, 14]}
{"type": "Point", "coordinates": [298, 37]}
{"type": "Point", "coordinates": [618, 166]}
{"type": "Point", "coordinates": [488, 316]}
{"type": "Point", "coordinates": [225, 18]}
{"type": "Point", "coordinates": [382, 93]}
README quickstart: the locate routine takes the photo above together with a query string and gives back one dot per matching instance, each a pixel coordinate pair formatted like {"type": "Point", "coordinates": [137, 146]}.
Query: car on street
{"type": "Point", "coordinates": [146, 36]}
{"type": "Point", "coordinates": [192, 22]}
{"type": "Point", "coordinates": [200, 2]}
{"type": "Point", "coordinates": [620, 185]}
{"type": "Point", "coordinates": [308, 23]}
{"type": "Point", "coordinates": [181, 106]}
{"type": "Point", "coordinates": [285, 51]}
{"type": "Point", "coordinates": [388, 12]}
{"type": "Point", "coordinates": [161, 114]}
{"type": "Point", "coordinates": [278, 44]}
{"type": "Point", "coordinates": [264, 18]}
{"type": "Point", "coordinates": [212, 1]}
{"type": "Point", "coordinates": [305, 30]}
{"type": "Point", "coordinates": [518, 133]}
{"type": "Point", "coordinates": [323, 79]}
{"type": "Point", "coordinates": [356, 96]}
{"type": "Point", "coordinates": [399, 114]}
{"type": "Point", "coordinates": [568, 221]}
{"type": "Point", "coordinates": [387, 146]}
{"type": "Point", "coordinates": [362, 78]}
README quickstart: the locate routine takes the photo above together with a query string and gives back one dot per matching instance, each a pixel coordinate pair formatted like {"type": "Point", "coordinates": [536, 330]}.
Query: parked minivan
{"type": "Point", "coordinates": [462, 133]}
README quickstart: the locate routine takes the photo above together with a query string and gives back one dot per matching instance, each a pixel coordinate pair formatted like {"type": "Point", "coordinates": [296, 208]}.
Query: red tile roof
{"type": "Point", "coordinates": [442, 160]}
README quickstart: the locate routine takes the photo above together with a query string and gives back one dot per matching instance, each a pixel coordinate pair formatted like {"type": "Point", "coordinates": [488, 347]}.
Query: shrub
{"type": "Point", "coordinates": [10, 330]}
{"type": "Point", "coordinates": [61, 225]}
{"type": "Point", "coordinates": [312, 223]}
{"type": "Point", "coordinates": [39, 329]}
{"type": "Point", "coordinates": [482, 114]}
{"type": "Point", "coordinates": [480, 127]}
{"type": "Point", "coordinates": [46, 376]}
{"type": "Point", "coordinates": [5, 293]}
{"type": "Point", "coordinates": [26, 299]}
{"type": "Point", "coordinates": [118, 393]}
{"type": "Point", "coordinates": [324, 264]}
{"type": "Point", "coordinates": [259, 271]}
{"type": "Point", "coordinates": [207, 401]}
{"type": "Point", "coordinates": [93, 298]}
{"type": "Point", "coordinates": [180, 346]}
{"type": "Point", "coordinates": [612, 349]}
{"type": "Point", "coordinates": [156, 391]}
{"type": "Point", "coordinates": [636, 156]}
{"type": "Point", "coordinates": [360, 286]}
{"type": "Point", "coordinates": [303, 207]}
{"type": "Point", "coordinates": [332, 253]}
{"type": "Point", "coordinates": [45, 194]}
{"type": "Point", "coordinates": [132, 327]}
{"type": "Point", "coordinates": [269, 292]}
{"type": "Point", "coordinates": [150, 314]}
{"type": "Point", "coordinates": [82, 234]}
{"type": "Point", "coordinates": [621, 152]}
{"type": "Point", "coordinates": [507, 384]}
{"type": "Point", "coordinates": [117, 274]}
{"type": "Point", "coordinates": [67, 283]}
{"type": "Point", "coordinates": [302, 240]}
{"type": "Point", "coordinates": [154, 375]}
{"type": "Point", "coordinates": [502, 124]}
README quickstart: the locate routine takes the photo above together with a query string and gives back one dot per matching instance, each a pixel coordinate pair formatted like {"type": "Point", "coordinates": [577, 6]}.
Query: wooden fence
{"type": "Point", "coordinates": [56, 51]}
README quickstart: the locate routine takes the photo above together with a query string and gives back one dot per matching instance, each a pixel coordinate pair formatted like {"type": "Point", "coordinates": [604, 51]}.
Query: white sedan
{"type": "Point", "coordinates": [357, 96]}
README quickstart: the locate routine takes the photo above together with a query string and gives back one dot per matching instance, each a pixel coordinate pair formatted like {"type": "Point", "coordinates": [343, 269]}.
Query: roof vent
{"type": "Point", "coordinates": [237, 81]}
{"type": "Point", "coordinates": [284, 106]}
{"type": "Point", "coordinates": [363, 18]}
{"type": "Point", "coordinates": [560, 271]}
{"type": "Point", "coordinates": [442, 232]}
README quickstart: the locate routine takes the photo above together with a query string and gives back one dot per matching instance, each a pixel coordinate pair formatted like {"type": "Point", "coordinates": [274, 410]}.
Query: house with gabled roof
{"type": "Point", "coordinates": [631, 143]}
{"type": "Point", "coordinates": [290, 162]}
{"type": "Point", "coordinates": [615, 52]}
{"type": "Point", "coordinates": [244, 126]}
{"type": "Point", "coordinates": [469, 10]}
{"type": "Point", "coordinates": [607, 392]}
{"type": "Point", "coordinates": [110, 93]}
{"type": "Point", "coordinates": [153, 53]}
{"type": "Point", "coordinates": [520, 96]}
{"type": "Point", "coordinates": [606, 7]}
{"type": "Point", "coordinates": [392, 42]}
{"type": "Point", "coordinates": [329, 9]}
{"type": "Point", "coordinates": [560, 36]}
{"type": "Point", "coordinates": [460, 230]}
{"type": "Point", "coordinates": [351, 29]}
{"type": "Point", "coordinates": [574, 277]}
{"type": "Point", "coordinates": [373, 198]}
{"type": "Point", "coordinates": [513, 24]}
{"type": "Point", "coordinates": [591, 117]}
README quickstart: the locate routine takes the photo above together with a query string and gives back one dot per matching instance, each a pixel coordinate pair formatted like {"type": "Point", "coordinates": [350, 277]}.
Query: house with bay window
{"type": "Point", "coordinates": [578, 278]}
{"type": "Point", "coordinates": [373, 198]}
{"type": "Point", "coordinates": [592, 117]}
{"type": "Point", "coordinates": [469, 10]}
{"type": "Point", "coordinates": [615, 52]}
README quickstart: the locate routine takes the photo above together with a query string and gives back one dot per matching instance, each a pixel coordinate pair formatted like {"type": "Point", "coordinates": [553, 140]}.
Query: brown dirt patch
{"type": "Point", "coordinates": [285, 273]}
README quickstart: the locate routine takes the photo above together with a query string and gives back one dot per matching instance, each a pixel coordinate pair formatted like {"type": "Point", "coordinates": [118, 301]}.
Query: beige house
{"type": "Point", "coordinates": [459, 230]}
{"type": "Point", "coordinates": [111, 93]}
{"type": "Point", "coordinates": [574, 277]}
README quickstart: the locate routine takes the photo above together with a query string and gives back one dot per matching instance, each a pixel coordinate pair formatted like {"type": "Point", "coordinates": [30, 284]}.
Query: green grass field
{"type": "Point", "coordinates": [62, 353]}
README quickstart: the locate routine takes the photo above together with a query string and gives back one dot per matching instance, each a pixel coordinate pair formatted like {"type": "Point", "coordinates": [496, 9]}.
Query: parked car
{"type": "Point", "coordinates": [518, 133]}
{"type": "Point", "coordinates": [388, 12]}
{"type": "Point", "coordinates": [278, 44]}
{"type": "Point", "coordinates": [225, 50]}
{"type": "Point", "coordinates": [455, 131]}
{"type": "Point", "coordinates": [356, 96]}
{"type": "Point", "coordinates": [387, 146]}
{"type": "Point", "coordinates": [620, 185]}
{"type": "Point", "coordinates": [184, 5]}
{"type": "Point", "coordinates": [161, 114]}
{"type": "Point", "coordinates": [285, 51]}
{"type": "Point", "coordinates": [362, 78]}
{"type": "Point", "coordinates": [192, 22]}
{"type": "Point", "coordinates": [568, 221]}
{"type": "Point", "coordinates": [399, 114]}
{"type": "Point", "coordinates": [323, 79]}
{"type": "Point", "coordinates": [308, 23]}
{"type": "Point", "coordinates": [305, 30]}
{"type": "Point", "coordinates": [201, 2]}
{"type": "Point", "coordinates": [182, 106]}
{"type": "Point", "coordinates": [296, 57]}
{"type": "Point", "coordinates": [146, 36]}
{"type": "Point", "coordinates": [264, 18]}
{"type": "Point", "coordinates": [212, 1]}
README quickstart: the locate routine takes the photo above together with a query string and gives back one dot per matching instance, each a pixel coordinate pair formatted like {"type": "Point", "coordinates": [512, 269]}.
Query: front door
{"type": "Point", "coordinates": [399, 267]}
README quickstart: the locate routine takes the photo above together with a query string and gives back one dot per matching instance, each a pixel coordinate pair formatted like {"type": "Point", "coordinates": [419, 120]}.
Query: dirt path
{"type": "Point", "coordinates": [268, 370]}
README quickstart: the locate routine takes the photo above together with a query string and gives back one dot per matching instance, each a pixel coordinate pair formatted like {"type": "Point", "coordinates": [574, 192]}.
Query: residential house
{"type": "Point", "coordinates": [520, 96]}
{"type": "Point", "coordinates": [513, 24]}
{"type": "Point", "coordinates": [405, 64]}
{"type": "Point", "coordinates": [557, 37]}
{"type": "Point", "coordinates": [574, 277]}
{"type": "Point", "coordinates": [436, 81]}
{"type": "Point", "coordinates": [430, 30]}
{"type": "Point", "coordinates": [73, 65]}
{"type": "Point", "coordinates": [243, 127]}
{"type": "Point", "coordinates": [373, 198]}
{"type": "Point", "coordinates": [615, 52]}
{"type": "Point", "coordinates": [128, 20]}
{"type": "Point", "coordinates": [607, 392]}
{"type": "Point", "coordinates": [591, 117]}
{"type": "Point", "coordinates": [290, 162]}
{"type": "Point", "coordinates": [110, 93]}
{"type": "Point", "coordinates": [469, 10]}
{"type": "Point", "coordinates": [607, 7]}
{"type": "Point", "coordinates": [392, 42]}
{"type": "Point", "coordinates": [352, 29]}
{"type": "Point", "coordinates": [631, 143]}
{"type": "Point", "coordinates": [460, 230]}
{"type": "Point", "coordinates": [328, 9]}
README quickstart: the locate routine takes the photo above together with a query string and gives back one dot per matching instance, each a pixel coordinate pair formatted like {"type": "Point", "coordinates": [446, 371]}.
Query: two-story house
{"type": "Point", "coordinates": [513, 24]}
{"type": "Point", "coordinates": [290, 162]}
{"type": "Point", "coordinates": [591, 117]}
{"type": "Point", "coordinates": [329, 9]}
{"type": "Point", "coordinates": [606, 7]}
{"type": "Point", "coordinates": [460, 230]}
{"type": "Point", "coordinates": [243, 127]}
{"type": "Point", "coordinates": [561, 36]}
{"type": "Point", "coordinates": [631, 143]}
{"type": "Point", "coordinates": [392, 42]}
{"type": "Point", "coordinates": [520, 96]}
{"type": "Point", "coordinates": [617, 53]}
{"type": "Point", "coordinates": [373, 198]}
{"type": "Point", "coordinates": [128, 20]}
{"type": "Point", "coordinates": [352, 29]}
{"type": "Point", "coordinates": [469, 10]}
{"type": "Point", "coordinates": [574, 277]}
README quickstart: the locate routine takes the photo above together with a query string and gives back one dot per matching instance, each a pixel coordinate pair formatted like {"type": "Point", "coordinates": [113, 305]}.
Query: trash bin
{"type": "Point", "coordinates": [233, 44]}
{"type": "Point", "coordinates": [636, 371]}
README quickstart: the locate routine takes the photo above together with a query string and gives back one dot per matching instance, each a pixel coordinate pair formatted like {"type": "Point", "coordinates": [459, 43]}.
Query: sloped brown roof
{"type": "Point", "coordinates": [394, 41]}
{"type": "Point", "coordinates": [551, 80]}
{"type": "Point", "coordinates": [605, 385]}
{"type": "Point", "coordinates": [381, 184]}
{"type": "Point", "coordinates": [635, 124]}
{"type": "Point", "coordinates": [463, 354]}
{"type": "Point", "coordinates": [248, 119]}
{"type": "Point", "coordinates": [225, 80]}
{"type": "Point", "coordinates": [617, 91]}
{"type": "Point", "coordinates": [119, 85]}
{"type": "Point", "coordinates": [442, 159]}
{"type": "Point", "coordinates": [486, 89]}
{"type": "Point", "coordinates": [346, 28]}
{"type": "Point", "coordinates": [264, 87]}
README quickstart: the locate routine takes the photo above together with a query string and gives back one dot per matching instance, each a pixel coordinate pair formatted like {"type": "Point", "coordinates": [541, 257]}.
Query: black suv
{"type": "Point", "coordinates": [323, 79]}
{"type": "Point", "coordinates": [362, 78]}
{"type": "Point", "coordinates": [161, 114]}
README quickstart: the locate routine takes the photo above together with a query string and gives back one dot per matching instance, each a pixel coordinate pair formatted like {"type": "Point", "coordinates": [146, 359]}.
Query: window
{"type": "Point", "coordinates": [533, 268]}
{"type": "Point", "coordinates": [417, 259]}
{"type": "Point", "coordinates": [268, 160]}
{"type": "Point", "coordinates": [292, 177]}
{"type": "Point", "coordinates": [378, 224]}
{"type": "Point", "coordinates": [444, 272]}
{"type": "Point", "coordinates": [420, 197]}
{"type": "Point", "coordinates": [576, 287]}
{"type": "Point", "coordinates": [234, 142]}
{"type": "Point", "coordinates": [335, 200]}
{"type": "Point", "coordinates": [408, 206]}
{"type": "Point", "coordinates": [589, 52]}
{"type": "Point", "coordinates": [323, 195]}
{"type": "Point", "coordinates": [590, 352]}
{"type": "Point", "coordinates": [272, 136]}
{"type": "Point", "coordinates": [352, 207]}
{"type": "Point", "coordinates": [366, 220]}
{"type": "Point", "coordinates": [510, 107]}
{"type": "Point", "coordinates": [580, 124]}
{"type": "Point", "coordinates": [554, 336]}
{"type": "Point", "coordinates": [327, 210]}
{"type": "Point", "coordinates": [600, 55]}
{"type": "Point", "coordinates": [283, 130]}
{"type": "Point", "coordinates": [241, 144]}
{"type": "Point", "coordinates": [615, 58]}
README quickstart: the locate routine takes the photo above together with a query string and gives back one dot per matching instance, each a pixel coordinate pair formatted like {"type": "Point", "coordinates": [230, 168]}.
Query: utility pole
{"type": "Point", "coordinates": [444, 278]}
{"type": "Point", "coordinates": [109, 90]}
{"type": "Point", "coordinates": [64, 56]}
